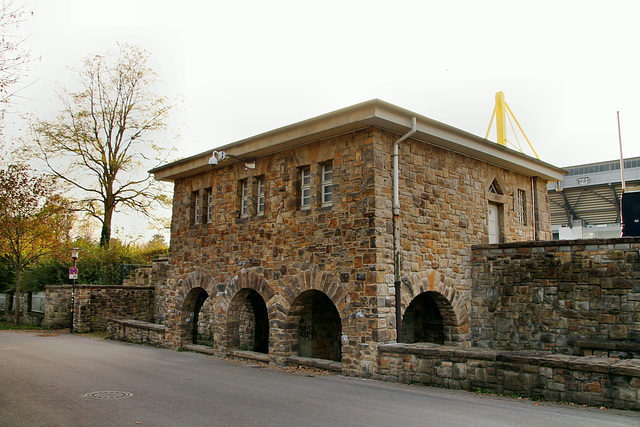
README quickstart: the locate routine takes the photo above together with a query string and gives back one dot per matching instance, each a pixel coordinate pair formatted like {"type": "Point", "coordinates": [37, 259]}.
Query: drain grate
{"type": "Point", "coordinates": [108, 395]}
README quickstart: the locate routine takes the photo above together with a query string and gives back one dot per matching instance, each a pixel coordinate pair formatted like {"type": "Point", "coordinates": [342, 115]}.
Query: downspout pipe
{"type": "Point", "coordinates": [396, 228]}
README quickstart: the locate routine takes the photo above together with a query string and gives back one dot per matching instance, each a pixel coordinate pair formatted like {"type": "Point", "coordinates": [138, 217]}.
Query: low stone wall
{"type": "Point", "coordinates": [136, 331]}
{"type": "Point", "coordinates": [94, 304]}
{"type": "Point", "coordinates": [553, 295]}
{"type": "Point", "coordinates": [612, 383]}
{"type": "Point", "coordinates": [57, 308]}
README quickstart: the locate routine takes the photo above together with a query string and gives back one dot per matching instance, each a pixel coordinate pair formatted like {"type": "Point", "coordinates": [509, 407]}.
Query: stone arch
{"type": "Point", "coordinates": [249, 279]}
{"type": "Point", "coordinates": [248, 322]}
{"type": "Point", "coordinates": [192, 294]}
{"type": "Point", "coordinates": [422, 320]}
{"type": "Point", "coordinates": [450, 302]}
{"type": "Point", "coordinates": [248, 301]}
{"type": "Point", "coordinates": [319, 329]}
{"type": "Point", "coordinates": [295, 295]}
{"type": "Point", "coordinates": [191, 312]}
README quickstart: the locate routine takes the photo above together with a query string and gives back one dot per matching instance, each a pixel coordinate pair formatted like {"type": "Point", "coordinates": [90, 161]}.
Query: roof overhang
{"type": "Point", "coordinates": [375, 113]}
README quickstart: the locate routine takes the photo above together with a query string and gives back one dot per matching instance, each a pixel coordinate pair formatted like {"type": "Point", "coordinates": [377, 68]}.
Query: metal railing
{"type": "Point", "coordinates": [38, 300]}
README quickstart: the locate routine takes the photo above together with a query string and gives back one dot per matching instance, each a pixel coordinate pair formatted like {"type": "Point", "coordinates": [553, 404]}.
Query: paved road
{"type": "Point", "coordinates": [44, 380]}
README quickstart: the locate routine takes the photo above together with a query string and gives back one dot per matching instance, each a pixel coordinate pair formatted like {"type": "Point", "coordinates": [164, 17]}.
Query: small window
{"type": "Point", "coordinates": [495, 187]}
{"type": "Point", "coordinates": [521, 207]}
{"type": "Point", "coordinates": [244, 199]}
{"type": "Point", "coordinates": [260, 198]}
{"type": "Point", "coordinates": [327, 184]}
{"type": "Point", "coordinates": [209, 205]}
{"type": "Point", "coordinates": [305, 187]}
{"type": "Point", "coordinates": [195, 202]}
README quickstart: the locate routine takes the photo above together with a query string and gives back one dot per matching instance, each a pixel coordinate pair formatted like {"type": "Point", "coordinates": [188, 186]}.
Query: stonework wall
{"type": "Point", "coordinates": [57, 309]}
{"type": "Point", "coordinates": [344, 250]}
{"type": "Point", "coordinates": [444, 198]}
{"type": "Point", "coordinates": [94, 304]}
{"type": "Point", "coordinates": [612, 383]}
{"type": "Point", "coordinates": [332, 249]}
{"type": "Point", "coordinates": [136, 331]}
{"type": "Point", "coordinates": [97, 303]}
{"type": "Point", "coordinates": [140, 276]}
{"type": "Point", "coordinates": [559, 296]}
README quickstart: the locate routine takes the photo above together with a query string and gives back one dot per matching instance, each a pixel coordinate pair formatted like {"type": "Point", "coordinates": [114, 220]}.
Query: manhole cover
{"type": "Point", "coordinates": [108, 395]}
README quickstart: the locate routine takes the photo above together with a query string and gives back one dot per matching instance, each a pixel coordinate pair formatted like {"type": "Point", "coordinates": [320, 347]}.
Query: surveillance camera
{"type": "Point", "coordinates": [216, 157]}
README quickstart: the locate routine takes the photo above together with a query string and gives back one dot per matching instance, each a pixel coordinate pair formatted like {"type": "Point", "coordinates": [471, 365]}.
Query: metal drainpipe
{"type": "Point", "coordinates": [396, 229]}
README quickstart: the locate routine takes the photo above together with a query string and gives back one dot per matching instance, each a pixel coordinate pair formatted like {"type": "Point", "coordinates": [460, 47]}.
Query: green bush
{"type": "Point", "coordinates": [7, 276]}
{"type": "Point", "coordinates": [96, 265]}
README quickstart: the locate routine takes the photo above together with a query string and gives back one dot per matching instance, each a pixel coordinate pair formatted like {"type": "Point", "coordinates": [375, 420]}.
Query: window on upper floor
{"type": "Point", "coordinates": [305, 187]}
{"type": "Point", "coordinates": [244, 198]}
{"type": "Point", "coordinates": [195, 206]}
{"type": "Point", "coordinates": [327, 184]}
{"type": "Point", "coordinates": [521, 207]}
{"type": "Point", "coordinates": [209, 198]}
{"type": "Point", "coordinates": [260, 195]}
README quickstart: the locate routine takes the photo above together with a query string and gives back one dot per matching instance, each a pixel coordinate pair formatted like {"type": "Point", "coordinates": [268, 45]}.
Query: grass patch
{"type": "Point", "coordinates": [7, 326]}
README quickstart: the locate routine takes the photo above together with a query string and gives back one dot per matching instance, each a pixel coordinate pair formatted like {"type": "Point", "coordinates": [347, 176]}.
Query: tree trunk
{"type": "Point", "coordinates": [17, 308]}
{"type": "Point", "coordinates": [105, 236]}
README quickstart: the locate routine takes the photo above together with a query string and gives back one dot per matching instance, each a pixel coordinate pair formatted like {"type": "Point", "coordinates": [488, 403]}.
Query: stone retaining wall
{"type": "Point", "coordinates": [94, 304]}
{"type": "Point", "coordinates": [136, 331]}
{"type": "Point", "coordinates": [612, 383]}
{"type": "Point", "coordinates": [554, 295]}
{"type": "Point", "coordinates": [57, 309]}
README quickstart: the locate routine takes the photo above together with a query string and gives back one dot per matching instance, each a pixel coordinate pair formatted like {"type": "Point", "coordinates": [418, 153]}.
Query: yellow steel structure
{"type": "Point", "coordinates": [500, 114]}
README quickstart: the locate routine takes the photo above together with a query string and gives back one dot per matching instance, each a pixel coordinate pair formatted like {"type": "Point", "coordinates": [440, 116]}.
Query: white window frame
{"type": "Point", "coordinates": [521, 207]}
{"type": "Point", "coordinates": [196, 207]}
{"type": "Point", "coordinates": [260, 193]}
{"type": "Point", "coordinates": [209, 205]}
{"type": "Point", "coordinates": [305, 187]}
{"type": "Point", "coordinates": [327, 184]}
{"type": "Point", "coordinates": [244, 199]}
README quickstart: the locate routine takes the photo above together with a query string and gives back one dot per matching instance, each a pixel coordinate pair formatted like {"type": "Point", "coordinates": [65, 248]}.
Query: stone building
{"type": "Point", "coordinates": [315, 240]}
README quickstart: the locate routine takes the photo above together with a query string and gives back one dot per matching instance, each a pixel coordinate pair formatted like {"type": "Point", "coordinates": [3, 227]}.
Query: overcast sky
{"type": "Point", "coordinates": [246, 67]}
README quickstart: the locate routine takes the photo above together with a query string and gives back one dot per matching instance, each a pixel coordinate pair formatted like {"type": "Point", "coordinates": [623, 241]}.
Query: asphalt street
{"type": "Point", "coordinates": [50, 379]}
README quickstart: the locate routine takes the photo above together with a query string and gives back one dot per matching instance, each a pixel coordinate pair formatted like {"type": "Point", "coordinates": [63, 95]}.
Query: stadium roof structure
{"type": "Point", "coordinates": [591, 192]}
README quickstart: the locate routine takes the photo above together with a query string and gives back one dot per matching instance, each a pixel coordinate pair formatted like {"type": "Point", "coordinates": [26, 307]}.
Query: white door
{"type": "Point", "coordinates": [494, 224]}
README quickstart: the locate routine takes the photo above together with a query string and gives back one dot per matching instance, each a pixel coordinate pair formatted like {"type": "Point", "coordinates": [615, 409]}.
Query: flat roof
{"type": "Point", "coordinates": [375, 113]}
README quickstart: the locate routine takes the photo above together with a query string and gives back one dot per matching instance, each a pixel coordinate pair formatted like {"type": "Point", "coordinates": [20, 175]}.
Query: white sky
{"type": "Point", "coordinates": [246, 67]}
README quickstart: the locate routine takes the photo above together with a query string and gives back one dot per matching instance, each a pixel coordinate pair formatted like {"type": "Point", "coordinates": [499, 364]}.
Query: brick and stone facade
{"type": "Point", "coordinates": [579, 297]}
{"type": "Point", "coordinates": [326, 272]}
{"type": "Point", "coordinates": [254, 274]}
{"type": "Point", "coordinates": [95, 304]}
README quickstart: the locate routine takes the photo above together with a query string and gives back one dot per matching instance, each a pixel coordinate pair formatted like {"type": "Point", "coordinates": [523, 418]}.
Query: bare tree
{"type": "Point", "coordinates": [101, 142]}
{"type": "Point", "coordinates": [13, 55]}
{"type": "Point", "coordinates": [34, 221]}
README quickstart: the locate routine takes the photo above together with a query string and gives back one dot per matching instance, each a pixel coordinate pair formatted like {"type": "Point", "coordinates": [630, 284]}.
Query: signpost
{"type": "Point", "coordinates": [73, 275]}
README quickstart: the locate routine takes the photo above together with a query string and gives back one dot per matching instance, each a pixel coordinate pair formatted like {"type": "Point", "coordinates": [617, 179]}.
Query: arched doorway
{"type": "Point", "coordinates": [423, 321]}
{"type": "Point", "coordinates": [191, 313]}
{"type": "Point", "coordinates": [319, 326]}
{"type": "Point", "coordinates": [248, 322]}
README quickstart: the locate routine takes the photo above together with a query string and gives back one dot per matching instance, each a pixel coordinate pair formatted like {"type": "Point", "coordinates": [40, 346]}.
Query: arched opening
{"type": "Point", "coordinates": [423, 321]}
{"type": "Point", "coordinates": [248, 322]}
{"type": "Point", "coordinates": [319, 326]}
{"type": "Point", "coordinates": [191, 313]}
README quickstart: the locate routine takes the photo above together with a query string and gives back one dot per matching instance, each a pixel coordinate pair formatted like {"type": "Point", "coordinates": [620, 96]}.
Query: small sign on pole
{"type": "Point", "coordinates": [73, 273]}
